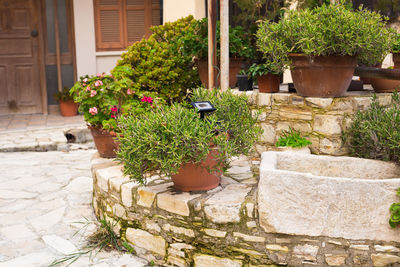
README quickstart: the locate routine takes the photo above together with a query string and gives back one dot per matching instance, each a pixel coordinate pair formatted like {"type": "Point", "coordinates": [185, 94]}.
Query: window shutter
{"type": "Point", "coordinates": [135, 16]}
{"type": "Point", "coordinates": [109, 24]}
{"type": "Point", "coordinates": [155, 13]}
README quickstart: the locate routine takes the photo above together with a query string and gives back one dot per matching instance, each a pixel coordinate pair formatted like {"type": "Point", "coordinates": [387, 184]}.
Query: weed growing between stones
{"type": "Point", "coordinates": [292, 138]}
{"type": "Point", "coordinates": [104, 238]}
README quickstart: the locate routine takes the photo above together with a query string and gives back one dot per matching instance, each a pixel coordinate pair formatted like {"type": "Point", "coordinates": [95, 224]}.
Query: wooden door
{"type": "Point", "coordinates": [19, 65]}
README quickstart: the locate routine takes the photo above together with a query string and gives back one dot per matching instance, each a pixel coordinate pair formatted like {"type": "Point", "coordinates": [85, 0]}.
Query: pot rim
{"type": "Point", "coordinates": [305, 55]}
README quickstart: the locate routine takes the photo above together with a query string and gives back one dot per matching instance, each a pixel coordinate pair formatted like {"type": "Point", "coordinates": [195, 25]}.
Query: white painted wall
{"type": "Point", "coordinates": [106, 61]}
{"type": "Point", "coordinates": [176, 9]}
{"type": "Point", "coordinates": [85, 41]}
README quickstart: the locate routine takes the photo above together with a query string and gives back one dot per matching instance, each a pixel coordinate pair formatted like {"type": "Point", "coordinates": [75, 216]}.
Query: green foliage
{"type": "Point", "coordinates": [327, 30]}
{"type": "Point", "coordinates": [158, 64]}
{"type": "Point", "coordinates": [396, 45]}
{"type": "Point", "coordinates": [257, 70]}
{"type": "Point", "coordinates": [394, 209]}
{"type": "Point", "coordinates": [255, 10]}
{"type": "Point", "coordinates": [64, 95]}
{"type": "Point", "coordinates": [163, 140]}
{"type": "Point", "coordinates": [103, 98]}
{"type": "Point", "coordinates": [375, 133]}
{"type": "Point", "coordinates": [292, 138]}
{"type": "Point", "coordinates": [195, 41]}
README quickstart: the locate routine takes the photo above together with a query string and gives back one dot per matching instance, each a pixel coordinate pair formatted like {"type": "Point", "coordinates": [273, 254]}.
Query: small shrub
{"type": "Point", "coordinates": [375, 133]}
{"type": "Point", "coordinates": [394, 209]}
{"type": "Point", "coordinates": [64, 95]}
{"type": "Point", "coordinates": [292, 138]}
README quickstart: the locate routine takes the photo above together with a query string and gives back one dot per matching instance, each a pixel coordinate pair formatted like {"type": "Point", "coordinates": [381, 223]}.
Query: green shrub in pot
{"type": "Point", "coordinates": [170, 136]}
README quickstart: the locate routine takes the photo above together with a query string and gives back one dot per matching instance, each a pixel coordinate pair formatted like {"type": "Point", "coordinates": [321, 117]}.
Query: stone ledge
{"type": "Point", "coordinates": [216, 228]}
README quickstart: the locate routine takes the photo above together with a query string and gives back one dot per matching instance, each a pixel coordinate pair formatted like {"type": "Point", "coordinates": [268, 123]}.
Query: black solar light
{"type": "Point", "coordinates": [203, 107]}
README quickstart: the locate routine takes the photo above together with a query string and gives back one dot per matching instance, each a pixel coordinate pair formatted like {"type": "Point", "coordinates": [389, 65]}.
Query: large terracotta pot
{"type": "Point", "coordinates": [68, 108]}
{"type": "Point", "coordinates": [322, 76]}
{"type": "Point", "coordinates": [396, 60]}
{"type": "Point", "coordinates": [104, 141]}
{"type": "Point", "coordinates": [196, 177]}
{"type": "Point", "coordinates": [367, 80]}
{"type": "Point", "coordinates": [385, 85]}
{"type": "Point", "coordinates": [235, 65]}
{"type": "Point", "coordinates": [268, 83]}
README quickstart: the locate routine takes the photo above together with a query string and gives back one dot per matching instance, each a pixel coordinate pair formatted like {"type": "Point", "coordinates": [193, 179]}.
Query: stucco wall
{"type": "Point", "coordinates": [176, 9]}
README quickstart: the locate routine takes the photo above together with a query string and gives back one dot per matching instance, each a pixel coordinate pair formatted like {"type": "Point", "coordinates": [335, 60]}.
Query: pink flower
{"type": "Point", "coordinates": [93, 110]}
{"type": "Point", "coordinates": [147, 99]}
{"type": "Point", "coordinates": [113, 116]}
{"type": "Point", "coordinates": [114, 109]}
{"type": "Point", "coordinates": [88, 88]}
{"type": "Point", "coordinates": [98, 83]}
{"type": "Point", "coordinates": [93, 93]}
{"type": "Point", "coordinates": [85, 80]}
{"type": "Point", "coordinates": [99, 75]}
{"type": "Point", "coordinates": [130, 92]}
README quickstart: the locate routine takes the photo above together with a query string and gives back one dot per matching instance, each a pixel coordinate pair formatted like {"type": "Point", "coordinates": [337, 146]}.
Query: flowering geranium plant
{"type": "Point", "coordinates": [104, 97]}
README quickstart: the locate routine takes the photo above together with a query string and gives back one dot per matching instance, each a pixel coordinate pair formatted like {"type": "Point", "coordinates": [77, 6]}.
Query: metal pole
{"type": "Point", "coordinates": [212, 44]}
{"type": "Point", "coordinates": [224, 30]}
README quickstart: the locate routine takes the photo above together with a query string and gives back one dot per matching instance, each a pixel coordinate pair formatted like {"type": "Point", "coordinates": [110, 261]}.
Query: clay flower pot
{"type": "Point", "coordinates": [322, 76]}
{"type": "Point", "coordinates": [385, 85]}
{"type": "Point", "coordinates": [197, 177]}
{"type": "Point", "coordinates": [268, 83]}
{"type": "Point", "coordinates": [396, 60]}
{"type": "Point", "coordinates": [68, 108]}
{"type": "Point", "coordinates": [105, 142]}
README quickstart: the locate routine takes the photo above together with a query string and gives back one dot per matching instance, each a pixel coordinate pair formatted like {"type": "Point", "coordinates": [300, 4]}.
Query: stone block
{"type": "Point", "coordinates": [249, 238]}
{"type": "Point", "coordinates": [250, 209]}
{"type": "Point", "coordinates": [335, 260]}
{"type": "Point", "coordinates": [318, 102]}
{"type": "Point", "coordinates": [178, 230]}
{"type": "Point", "coordinates": [281, 98]}
{"type": "Point", "coordinates": [275, 247]}
{"type": "Point", "coordinates": [146, 240]}
{"type": "Point", "coordinates": [150, 225]}
{"type": "Point", "coordinates": [385, 99]}
{"type": "Point", "coordinates": [294, 113]}
{"type": "Point", "coordinates": [386, 249]}
{"type": "Point", "coordinates": [105, 174]}
{"type": "Point", "coordinates": [328, 124]}
{"type": "Point", "coordinates": [269, 134]}
{"type": "Point", "coordinates": [118, 210]}
{"type": "Point", "coordinates": [297, 100]}
{"type": "Point", "coordinates": [225, 205]}
{"type": "Point", "coordinates": [115, 183]}
{"type": "Point", "coordinates": [360, 247]}
{"type": "Point", "coordinates": [127, 194]}
{"type": "Point", "coordinates": [203, 260]}
{"type": "Point", "coordinates": [176, 261]}
{"type": "Point", "coordinates": [306, 252]}
{"type": "Point", "coordinates": [147, 194]}
{"type": "Point", "coordinates": [215, 233]}
{"type": "Point", "coordinates": [330, 146]}
{"type": "Point", "coordinates": [177, 203]}
{"type": "Point", "coordinates": [240, 172]}
{"type": "Point", "coordinates": [343, 105]}
{"type": "Point", "coordinates": [381, 260]}
{"type": "Point", "coordinates": [362, 103]}
{"type": "Point", "coordinates": [251, 224]}
{"type": "Point", "coordinates": [264, 99]}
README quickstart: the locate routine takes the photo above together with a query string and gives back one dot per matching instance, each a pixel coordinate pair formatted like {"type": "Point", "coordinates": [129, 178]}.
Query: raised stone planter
{"type": "Point", "coordinates": [227, 226]}
{"type": "Point", "coordinates": [321, 120]}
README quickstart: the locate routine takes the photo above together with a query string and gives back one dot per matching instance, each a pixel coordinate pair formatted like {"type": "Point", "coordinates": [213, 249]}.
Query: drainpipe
{"type": "Point", "coordinates": [224, 33]}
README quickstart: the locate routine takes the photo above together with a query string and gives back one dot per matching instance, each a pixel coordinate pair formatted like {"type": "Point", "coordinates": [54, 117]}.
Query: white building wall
{"type": "Point", "coordinates": [176, 9]}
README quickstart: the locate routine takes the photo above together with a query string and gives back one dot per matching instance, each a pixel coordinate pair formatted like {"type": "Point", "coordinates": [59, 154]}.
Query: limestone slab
{"type": "Point", "coordinates": [48, 220]}
{"type": "Point", "coordinates": [380, 260]}
{"type": "Point", "coordinates": [60, 244]}
{"type": "Point", "coordinates": [328, 124]}
{"type": "Point", "coordinates": [178, 230]}
{"type": "Point", "coordinates": [105, 174]}
{"type": "Point", "coordinates": [177, 203]}
{"type": "Point", "coordinates": [319, 102]}
{"type": "Point", "coordinates": [147, 194]}
{"type": "Point", "coordinates": [203, 260]}
{"type": "Point", "coordinates": [249, 238]}
{"type": "Point", "coordinates": [214, 232]}
{"type": "Point", "coordinates": [18, 231]}
{"type": "Point", "coordinates": [335, 260]}
{"type": "Point", "coordinates": [300, 203]}
{"type": "Point", "coordinates": [225, 205]}
{"type": "Point", "coordinates": [146, 240]}
{"type": "Point", "coordinates": [127, 194]}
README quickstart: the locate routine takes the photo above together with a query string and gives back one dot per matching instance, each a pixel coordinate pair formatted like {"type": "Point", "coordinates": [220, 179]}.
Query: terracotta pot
{"type": "Point", "coordinates": [68, 108]}
{"type": "Point", "coordinates": [268, 83]}
{"type": "Point", "coordinates": [234, 68]}
{"type": "Point", "coordinates": [105, 142]}
{"type": "Point", "coordinates": [322, 76]}
{"type": "Point", "coordinates": [396, 60]}
{"type": "Point", "coordinates": [367, 80]}
{"type": "Point", "coordinates": [385, 85]}
{"type": "Point", "coordinates": [196, 177]}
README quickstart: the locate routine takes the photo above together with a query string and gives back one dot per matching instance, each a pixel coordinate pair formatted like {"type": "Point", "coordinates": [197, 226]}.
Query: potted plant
{"type": "Point", "coordinates": [321, 46]}
{"type": "Point", "coordinates": [103, 98]}
{"type": "Point", "coordinates": [382, 85]}
{"type": "Point", "coordinates": [267, 76]}
{"type": "Point", "coordinates": [67, 105]}
{"type": "Point", "coordinates": [245, 83]}
{"type": "Point", "coordinates": [195, 44]}
{"type": "Point", "coordinates": [175, 141]}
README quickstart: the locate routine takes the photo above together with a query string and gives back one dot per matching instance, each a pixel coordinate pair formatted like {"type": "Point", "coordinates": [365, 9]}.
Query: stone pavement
{"type": "Point", "coordinates": [42, 196]}
{"type": "Point", "coordinates": [40, 132]}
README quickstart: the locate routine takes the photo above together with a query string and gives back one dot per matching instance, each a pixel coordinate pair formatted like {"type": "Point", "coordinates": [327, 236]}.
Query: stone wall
{"type": "Point", "coordinates": [216, 228]}
{"type": "Point", "coordinates": [320, 120]}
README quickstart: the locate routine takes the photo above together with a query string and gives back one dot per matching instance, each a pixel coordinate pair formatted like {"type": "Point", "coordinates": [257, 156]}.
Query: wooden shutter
{"type": "Point", "coordinates": [135, 15]}
{"type": "Point", "coordinates": [109, 25]}
{"type": "Point", "coordinates": [155, 13]}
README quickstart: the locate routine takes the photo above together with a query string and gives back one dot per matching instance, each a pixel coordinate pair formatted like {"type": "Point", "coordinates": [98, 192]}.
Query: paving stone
{"type": "Point", "coordinates": [225, 205]}
{"type": "Point", "coordinates": [239, 172]}
{"type": "Point", "coordinates": [18, 231]}
{"type": "Point", "coordinates": [177, 203]}
{"type": "Point", "coordinates": [48, 220]}
{"type": "Point", "coordinates": [202, 260]}
{"type": "Point", "coordinates": [146, 240]}
{"type": "Point", "coordinates": [60, 244]}
{"type": "Point", "coordinates": [29, 260]}
{"type": "Point", "coordinates": [8, 194]}
{"type": "Point", "coordinates": [147, 194]}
